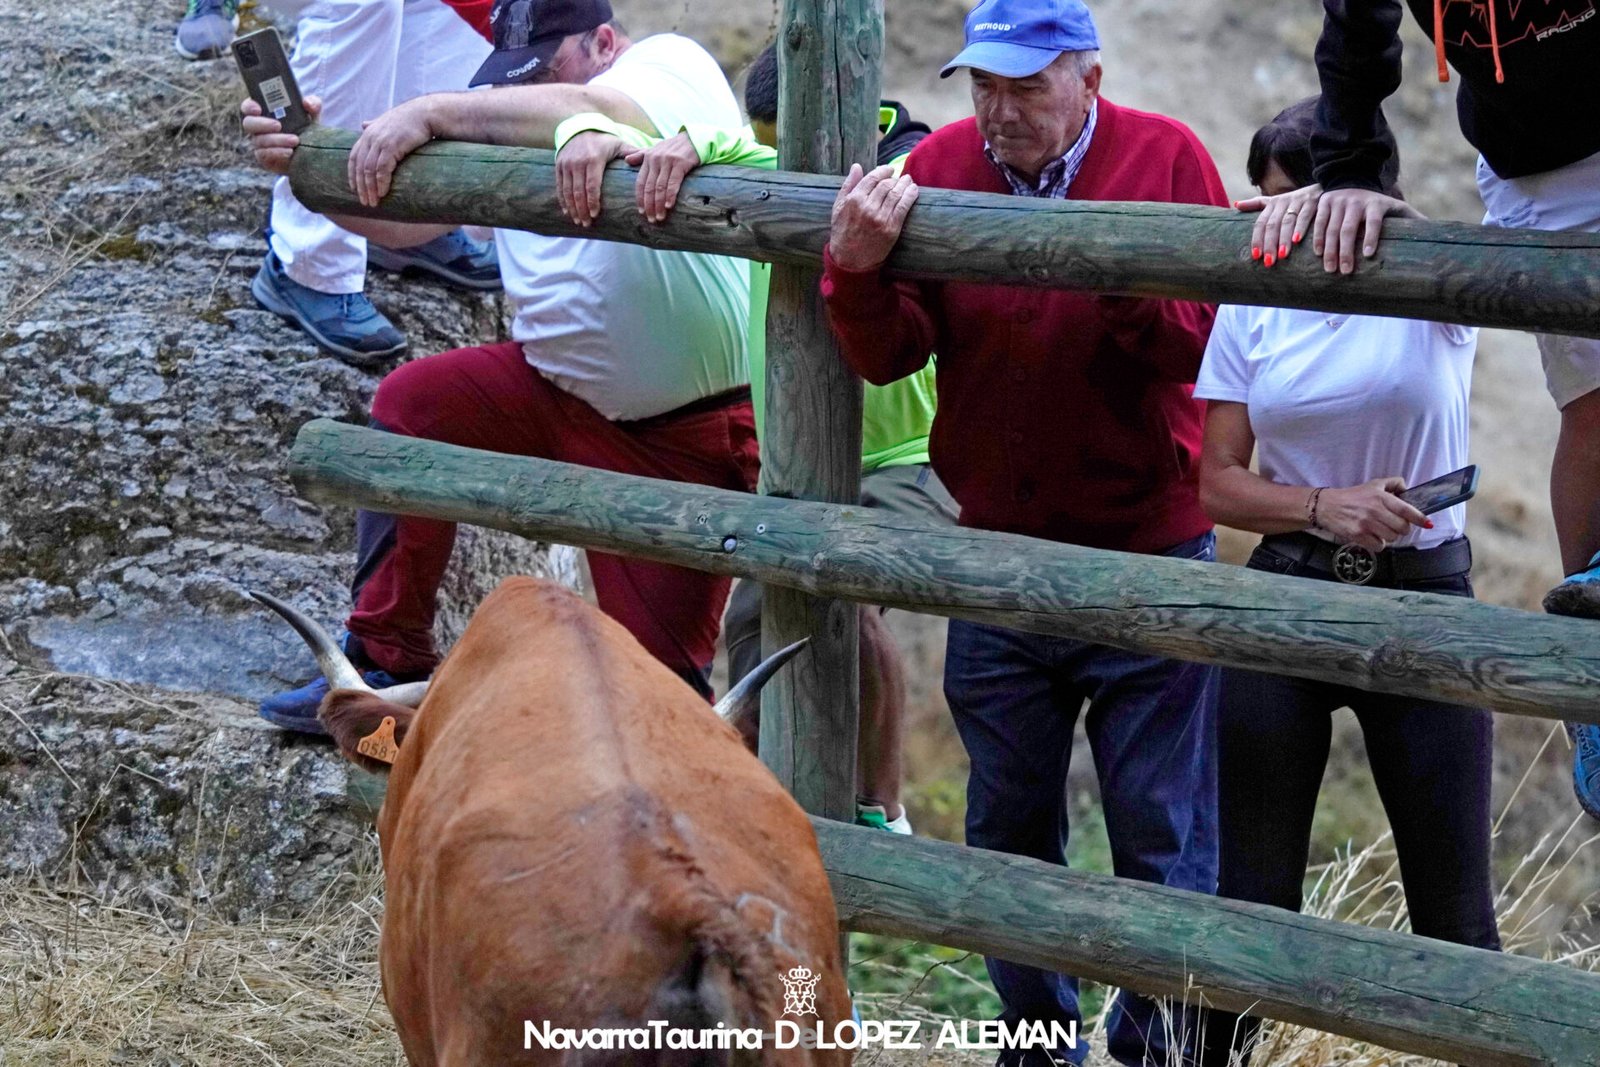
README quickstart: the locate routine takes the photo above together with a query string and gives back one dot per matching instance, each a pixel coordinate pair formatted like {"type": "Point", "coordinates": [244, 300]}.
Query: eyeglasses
{"type": "Point", "coordinates": [551, 74]}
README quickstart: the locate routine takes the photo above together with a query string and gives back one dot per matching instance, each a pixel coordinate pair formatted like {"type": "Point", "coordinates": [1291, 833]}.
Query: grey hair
{"type": "Point", "coordinates": [1085, 61]}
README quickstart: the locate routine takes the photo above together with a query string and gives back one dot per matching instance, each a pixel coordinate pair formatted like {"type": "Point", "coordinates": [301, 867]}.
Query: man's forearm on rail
{"type": "Point", "coordinates": [526, 115]}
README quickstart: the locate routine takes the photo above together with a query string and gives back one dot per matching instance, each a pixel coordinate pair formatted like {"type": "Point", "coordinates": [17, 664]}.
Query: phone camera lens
{"type": "Point", "coordinates": [246, 51]}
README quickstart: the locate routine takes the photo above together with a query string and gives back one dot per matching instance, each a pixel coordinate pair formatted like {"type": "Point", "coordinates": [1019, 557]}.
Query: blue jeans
{"type": "Point", "coordinates": [1015, 698]}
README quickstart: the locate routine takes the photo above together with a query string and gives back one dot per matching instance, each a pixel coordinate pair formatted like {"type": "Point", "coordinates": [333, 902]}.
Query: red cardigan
{"type": "Point", "coordinates": [1062, 415]}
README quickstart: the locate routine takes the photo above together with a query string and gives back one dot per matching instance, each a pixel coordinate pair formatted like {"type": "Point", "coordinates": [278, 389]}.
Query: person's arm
{"type": "Point", "coordinates": [585, 145]}
{"type": "Point", "coordinates": [885, 333]}
{"type": "Point", "coordinates": [1358, 65]}
{"type": "Point", "coordinates": [1370, 515]}
{"type": "Point", "coordinates": [664, 165]}
{"type": "Point", "coordinates": [273, 150]}
{"type": "Point", "coordinates": [1169, 336]}
{"type": "Point", "coordinates": [525, 115]}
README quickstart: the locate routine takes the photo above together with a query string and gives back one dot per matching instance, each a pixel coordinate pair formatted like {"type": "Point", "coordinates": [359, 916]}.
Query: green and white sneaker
{"type": "Point", "coordinates": [207, 28]}
{"type": "Point", "coordinates": [877, 817]}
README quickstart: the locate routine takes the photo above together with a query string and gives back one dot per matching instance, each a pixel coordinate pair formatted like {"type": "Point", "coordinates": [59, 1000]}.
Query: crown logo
{"type": "Point", "coordinates": [800, 991]}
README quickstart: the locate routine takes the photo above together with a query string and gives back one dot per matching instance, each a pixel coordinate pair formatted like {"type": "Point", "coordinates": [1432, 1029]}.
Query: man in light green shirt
{"type": "Point", "coordinates": [896, 419]}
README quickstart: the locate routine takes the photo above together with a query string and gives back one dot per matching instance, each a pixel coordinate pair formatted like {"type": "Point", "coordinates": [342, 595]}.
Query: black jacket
{"type": "Point", "coordinates": [1545, 115]}
{"type": "Point", "coordinates": [902, 136]}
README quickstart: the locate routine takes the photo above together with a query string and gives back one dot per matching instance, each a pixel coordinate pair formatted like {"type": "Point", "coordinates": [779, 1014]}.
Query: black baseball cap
{"type": "Point", "coordinates": [528, 32]}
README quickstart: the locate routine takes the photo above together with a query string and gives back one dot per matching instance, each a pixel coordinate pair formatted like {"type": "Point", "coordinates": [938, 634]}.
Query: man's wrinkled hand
{"type": "Point", "coordinates": [868, 216]}
{"type": "Point", "coordinates": [270, 145]}
{"type": "Point", "coordinates": [580, 168]}
{"type": "Point", "coordinates": [662, 168]}
{"type": "Point", "coordinates": [383, 143]}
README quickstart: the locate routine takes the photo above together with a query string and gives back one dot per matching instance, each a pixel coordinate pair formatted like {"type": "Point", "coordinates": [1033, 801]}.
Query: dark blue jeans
{"type": "Point", "coordinates": [1015, 698]}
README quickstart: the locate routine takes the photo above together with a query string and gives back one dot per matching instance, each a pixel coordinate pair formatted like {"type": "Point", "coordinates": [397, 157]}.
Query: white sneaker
{"type": "Point", "coordinates": [877, 816]}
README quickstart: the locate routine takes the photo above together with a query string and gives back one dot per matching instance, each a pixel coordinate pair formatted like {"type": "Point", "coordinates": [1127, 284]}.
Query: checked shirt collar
{"type": "Point", "coordinates": [1055, 179]}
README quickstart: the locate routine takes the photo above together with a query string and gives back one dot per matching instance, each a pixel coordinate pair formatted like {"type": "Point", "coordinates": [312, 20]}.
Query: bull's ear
{"type": "Point", "coordinates": [351, 716]}
{"type": "Point", "coordinates": [743, 702]}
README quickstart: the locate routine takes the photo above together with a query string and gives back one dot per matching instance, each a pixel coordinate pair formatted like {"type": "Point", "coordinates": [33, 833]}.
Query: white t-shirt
{"type": "Point", "coordinates": [1339, 400]}
{"type": "Point", "coordinates": [633, 331]}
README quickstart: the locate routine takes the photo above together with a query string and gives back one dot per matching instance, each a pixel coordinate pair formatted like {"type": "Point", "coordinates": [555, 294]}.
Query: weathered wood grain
{"type": "Point", "coordinates": [827, 118]}
{"type": "Point", "coordinates": [1523, 279]}
{"type": "Point", "coordinates": [1417, 644]}
{"type": "Point", "coordinates": [1409, 993]}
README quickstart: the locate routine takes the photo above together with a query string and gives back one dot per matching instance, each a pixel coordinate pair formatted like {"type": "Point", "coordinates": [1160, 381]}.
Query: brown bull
{"type": "Point", "coordinates": [572, 836]}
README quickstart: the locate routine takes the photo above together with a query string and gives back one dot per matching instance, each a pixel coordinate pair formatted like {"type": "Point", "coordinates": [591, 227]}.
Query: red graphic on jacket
{"type": "Point", "coordinates": [1509, 22]}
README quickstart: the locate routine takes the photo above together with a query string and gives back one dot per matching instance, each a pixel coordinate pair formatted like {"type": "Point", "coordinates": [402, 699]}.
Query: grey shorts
{"type": "Point", "coordinates": [1563, 199]}
{"type": "Point", "coordinates": [912, 490]}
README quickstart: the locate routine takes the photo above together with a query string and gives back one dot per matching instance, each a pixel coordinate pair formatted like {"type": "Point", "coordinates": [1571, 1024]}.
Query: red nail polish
{"type": "Point", "coordinates": [1297, 237]}
{"type": "Point", "coordinates": [1255, 253]}
{"type": "Point", "coordinates": [1270, 259]}
{"type": "Point", "coordinates": [1283, 250]}
{"type": "Point", "coordinates": [1428, 525]}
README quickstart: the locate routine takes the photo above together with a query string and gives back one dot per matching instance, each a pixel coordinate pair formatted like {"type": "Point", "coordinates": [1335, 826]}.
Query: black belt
{"type": "Point", "coordinates": [1357, 566]}
{"type": "Point", "coordinates": [735, 395]}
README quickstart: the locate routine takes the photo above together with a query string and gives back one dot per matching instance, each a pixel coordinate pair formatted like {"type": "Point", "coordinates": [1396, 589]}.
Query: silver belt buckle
{"type": "Point", "coordinates": [1354, 565]}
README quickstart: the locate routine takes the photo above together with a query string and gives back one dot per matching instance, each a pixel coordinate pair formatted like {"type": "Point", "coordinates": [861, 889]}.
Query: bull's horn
{"type": "Point", "coordinates": [331, 660]}
{"type": "Point", "coordinates": [409, 694]}
{"type": "Point", "coordinates": [741, 699]}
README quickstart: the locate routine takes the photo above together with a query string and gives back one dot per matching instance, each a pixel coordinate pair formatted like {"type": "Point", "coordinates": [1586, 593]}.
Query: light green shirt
{"type": "Point", "coordinates": [896, 418]}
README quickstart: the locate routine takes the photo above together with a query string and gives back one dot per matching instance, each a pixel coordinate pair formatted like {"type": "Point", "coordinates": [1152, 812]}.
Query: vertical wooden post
{"type": "Point", "coordinates": [829, 54]}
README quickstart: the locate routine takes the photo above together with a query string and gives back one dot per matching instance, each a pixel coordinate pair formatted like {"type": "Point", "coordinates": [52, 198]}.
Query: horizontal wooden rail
{"type": "Point", "coordinates": [1525, 279]}
{"type": "Point", "coordinates": [1417, 644]}
{"type": "Point", "coordinates": [1403, 992]}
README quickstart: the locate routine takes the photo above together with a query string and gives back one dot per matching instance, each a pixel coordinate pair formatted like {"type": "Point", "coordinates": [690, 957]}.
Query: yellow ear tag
{"type": "Point", "coordinates": [380, 743]}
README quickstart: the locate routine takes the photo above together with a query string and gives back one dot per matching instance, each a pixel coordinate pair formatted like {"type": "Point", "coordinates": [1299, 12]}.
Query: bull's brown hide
{"type": "Point", "coordinates": [570, 834]}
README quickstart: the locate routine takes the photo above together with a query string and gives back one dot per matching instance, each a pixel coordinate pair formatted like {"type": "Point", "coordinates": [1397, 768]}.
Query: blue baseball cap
{"type": "Point", "coordinates": [1016, 38]}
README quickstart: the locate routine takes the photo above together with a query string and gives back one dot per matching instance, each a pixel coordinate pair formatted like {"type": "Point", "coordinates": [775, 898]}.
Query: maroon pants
{"type": "Point", "coordinates": [490, 398]}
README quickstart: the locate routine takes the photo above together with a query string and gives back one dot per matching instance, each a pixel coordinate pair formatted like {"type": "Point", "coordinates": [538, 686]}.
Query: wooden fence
{"type": "Point", "coordinates": [818, 553]}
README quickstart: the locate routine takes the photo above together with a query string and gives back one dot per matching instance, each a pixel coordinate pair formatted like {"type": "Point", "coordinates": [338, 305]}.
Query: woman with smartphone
{"type": "Point", "coordinates": [1345, 412]}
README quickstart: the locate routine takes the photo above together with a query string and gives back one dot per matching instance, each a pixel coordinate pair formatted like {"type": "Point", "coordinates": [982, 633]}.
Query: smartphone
{"type": "Point", "coordinates": [1446, 492]}
{"type": "Point", "coordinates": [266, 73]}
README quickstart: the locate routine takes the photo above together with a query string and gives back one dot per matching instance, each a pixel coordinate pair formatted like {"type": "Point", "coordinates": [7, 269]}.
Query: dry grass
{"type": "Point", "coordinates": [94, 981]}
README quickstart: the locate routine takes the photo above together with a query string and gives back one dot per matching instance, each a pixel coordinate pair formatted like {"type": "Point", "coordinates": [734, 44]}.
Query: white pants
{"type": "Point", "coordinates": [362, 57]}
{"type": "Point", "coordinates": [1564, 199]}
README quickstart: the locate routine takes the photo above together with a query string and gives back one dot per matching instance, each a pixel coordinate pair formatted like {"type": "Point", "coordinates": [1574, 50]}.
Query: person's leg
{"type": "Point", "coordinates": [345, 53]}
{"type": "Point", "coordinates": [1575, 490]}
{"type": "Point", "coordinates": [1567, 199]}
{"type": "Point", "coordinates": [314, 271]}
{"type": "Point", "coordinates": [883, 714]}
{"type": "Point", "coordinates": [1264, 819]}
{"type": "Point", "coordinates": [439, 52]}
{"type": "Point", "coordinates": [675, 612]}
{"type": "Point", "coordinates": [486, 398]}
{"type": "Point", "coordinates": [1016, 723]}
{"type": "Point", "coordinates": [914, 491]}
{"type": "Point", "coordinates": [1434, 764]}
{"type": "Point", "coordinates": [1151, 726]}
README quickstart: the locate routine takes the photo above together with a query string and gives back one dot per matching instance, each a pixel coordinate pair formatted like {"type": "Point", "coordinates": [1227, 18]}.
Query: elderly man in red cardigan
{"type": "Point", "coordinates": [1066, 416]}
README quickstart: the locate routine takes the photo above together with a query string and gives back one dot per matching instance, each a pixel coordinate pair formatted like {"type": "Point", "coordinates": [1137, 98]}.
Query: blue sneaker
{"type": "Point", "coordinates": [297, 709]}
{"type": "Point", "coordinates": [1578, 595]}
{"type": "Point", "coordinates": [206, 31]}
{"type": "Point", "coordinates": [454, 258]}
{"type": "Point", "coordinates": [1586, 765]}
{"type": "Point", "coordinates": [345, 324]}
